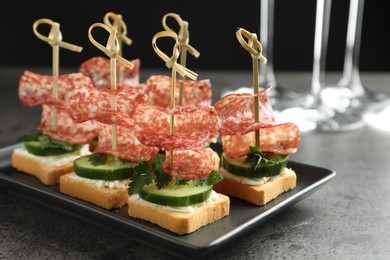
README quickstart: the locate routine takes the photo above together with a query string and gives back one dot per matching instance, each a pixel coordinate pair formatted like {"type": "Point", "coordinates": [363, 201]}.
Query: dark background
{"type": "Point", "coordinates": [212, 26]}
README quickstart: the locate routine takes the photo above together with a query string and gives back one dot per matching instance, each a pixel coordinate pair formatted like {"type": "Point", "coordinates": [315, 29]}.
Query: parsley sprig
{"type": "Point", "coordinates": [97, 159]}
{"type": "Point", "coordinates": [213, 178]}
{"type": "Point", "coordinates": [258, 157]}
{"type": "Point", "coordinates": [46, 142]}
{"type": "Point", "coordinates": [145, 173]}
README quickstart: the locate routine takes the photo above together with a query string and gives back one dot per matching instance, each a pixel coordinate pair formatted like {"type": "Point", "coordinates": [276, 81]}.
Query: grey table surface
{"type": "Point", "coordinates": [348, 218]}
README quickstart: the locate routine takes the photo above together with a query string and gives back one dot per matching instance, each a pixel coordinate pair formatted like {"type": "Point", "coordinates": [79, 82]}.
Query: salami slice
{"type": "Point", "coordinates": [98, 69]}
{"type": "Point", "coordinates": [67, 130]}
{"type": "Point", "coordinates": [89, 103]}
{"type": "Point", "coordinates": [128, 146]}
{"type": "Point", "coordinates": [236, 113]}
{"type": "Point", "coordinates": [193, 127]}
{"type": "Point", "coordinates": [195, 93]}
{"type": "Point", "coordinates": [35, 89]}
{"type": "Point", "coordinates": [282, 138]}
{"type": "Point", "coordinates": [190, 164]}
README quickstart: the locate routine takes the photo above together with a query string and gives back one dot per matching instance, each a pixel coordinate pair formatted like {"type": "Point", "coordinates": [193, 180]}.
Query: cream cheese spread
{"type": "Point", "coordinates": [186, 209]}
{"type": "Point", "coordinates": [253, 181]}
{"type": "Point", "coordinates": [118, 184]}
{"type": "Point", "coordinates": [54, 160]}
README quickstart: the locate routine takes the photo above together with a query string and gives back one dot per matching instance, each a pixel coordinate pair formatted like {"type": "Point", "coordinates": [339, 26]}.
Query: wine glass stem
{"type": "Point", "coordinates": [320, 46]}
{"type": "Point", "coordinates": [351, 75]}
{"type": "Point", "coordinates": [266, 38]}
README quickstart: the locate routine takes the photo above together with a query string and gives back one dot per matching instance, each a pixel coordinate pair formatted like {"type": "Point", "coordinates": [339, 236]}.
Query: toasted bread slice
{"type": "Point", "coordinates": [101, 195]}
{"type": "Point", "coordinates": [259, 194]}
{"type": "Point", "coordinates": [47, 175]}
{"type": "Point", "coordinates": [177, 221]}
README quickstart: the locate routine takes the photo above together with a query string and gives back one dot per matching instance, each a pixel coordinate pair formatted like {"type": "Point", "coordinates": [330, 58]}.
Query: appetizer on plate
{"type": "Point", "coordinates": [102, 178]}
{"type": "Point", "coordinates": [176, 190]}
{"type": "Point", "coordinates": [49, 152]}
{"type": "Point", "coordinates": [255, 147]}
{"type": "Point", "coordinates": [254, 173]}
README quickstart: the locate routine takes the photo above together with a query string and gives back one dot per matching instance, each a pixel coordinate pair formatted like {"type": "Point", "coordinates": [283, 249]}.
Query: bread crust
{"type": "Point", "coordinates": [108, 198]}
{"type": "Point", "coordinates": [258, 194]}
{"type": "Point", "coordinates": [180, 222]}
{"type": "Point", "coordinates": [47, 175]}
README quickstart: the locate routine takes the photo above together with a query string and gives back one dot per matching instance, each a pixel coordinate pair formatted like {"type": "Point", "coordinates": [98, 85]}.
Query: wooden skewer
{"type": "Point", "coordinates": [183, 39]}
{"type": "Point", "coordinates": [55, 40]}
{"type": "Point", "coordinates": [183, 59]}
{"type": "Point", "coordinates": [176, 68]}
{"type": "Point", "coordinates": [255, 72]}
{"type": "Point", "coordinates": [113, 69]}
{"type": "Point", "coordinates": [112, 51]}
{"type": "Point", "coordinates": [253, 46]}
{"type": "Point", "coordinates": [172, 106]}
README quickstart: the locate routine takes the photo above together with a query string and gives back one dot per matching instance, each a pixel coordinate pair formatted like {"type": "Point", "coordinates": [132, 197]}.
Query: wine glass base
{"type": "Point", "coordinates": [320, 118]}
{"type": "Point", "coordinates": [378, 116]}
{"type": "Point", "coordinates": [343, 98]}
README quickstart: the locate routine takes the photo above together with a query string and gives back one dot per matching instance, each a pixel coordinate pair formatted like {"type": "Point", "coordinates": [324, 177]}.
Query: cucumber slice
{"type": "Point", "coordinates": [240, 166]}
{"type": "Point", "coordinates": [114, 169]}
{"type": "Point", "coordinates": [34, 147]}
{"type": "Point", "coordinates": [176, 195]}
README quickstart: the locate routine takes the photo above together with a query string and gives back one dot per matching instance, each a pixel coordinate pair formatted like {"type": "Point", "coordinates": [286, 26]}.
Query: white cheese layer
{"type": "Point", "coordinates": [118, 184]}
{"type": "Point", "coordinates": [252, 181]}
{"type": "Point", "coordinates": [186, 209]}
{"type": "Point", "coordinates": [54, 160]}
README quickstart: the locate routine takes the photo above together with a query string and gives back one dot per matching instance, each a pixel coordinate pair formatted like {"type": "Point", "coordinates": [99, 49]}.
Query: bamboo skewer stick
{"type": "Point", "coordinates": [112, 51]}
{"type": "Point", "coordinates": [176, 68]}
{"type": "Point", "coordinates": [255, 71]}
{"type": "Point", "coordinates": [113, 79]}
{"type": "Point", "coordinates": [183, 40]}
{"type": "Point", "coordinates": [253, 46]}
{"type": "Point", "coordinates": [55, 40]}
{"type": "Point", "coordinates": [172, 106]}
{"type": "Point", "coordinates": [55, 69]}
{"type": "Point", "coordinates": [183, 59]}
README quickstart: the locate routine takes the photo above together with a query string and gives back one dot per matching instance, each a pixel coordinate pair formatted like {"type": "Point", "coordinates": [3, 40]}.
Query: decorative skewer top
{"type": "Point", "coordinates": [55, 36]}
{"type": "Point", "coordinates": [253, 46]}
{"type": "Point", "coordinates": [116, 21]}
{"type": "Point", "coordinates": [171, 62]}
{"type": "Point", "coordinates": [112, 47]}
{"type": "Point", "coordinates": [183, 35]}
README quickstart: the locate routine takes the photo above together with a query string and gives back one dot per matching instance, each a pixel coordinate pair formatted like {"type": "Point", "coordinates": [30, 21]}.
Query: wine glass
{"type": "Point", "coordinates": [349, 91]}
{"type": "Point", "coordinates": [313, 113]}
{"type": "Point", "coordinates": [280, 97]}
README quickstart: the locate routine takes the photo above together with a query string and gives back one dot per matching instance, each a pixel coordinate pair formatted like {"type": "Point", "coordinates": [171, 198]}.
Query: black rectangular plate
{"type": "Point", "coordinates": [243, 215]}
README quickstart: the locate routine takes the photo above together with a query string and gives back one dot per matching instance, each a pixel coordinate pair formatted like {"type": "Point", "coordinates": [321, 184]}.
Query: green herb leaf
{"type": "Point", "coordinates": [98, 159]}
{"type": "Point", "coordinates": [33, 136]}
{"type": "Point", "coordinates": [47, 142]}
{"type": "Point", "coordinates": [157, 162]}
{"type": "Point", "coordinates": [181, 182]}
{"type": "Point", "coordinates": [213, 178]}
{"type": "Point", "coordinates": [254, 155]}
{"type": "Point", "coordinates": [162, 179]}
{"type": "Point", "coordinates": [257, 156]}
{"type": "Point", "coordinates": [142, 176]}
